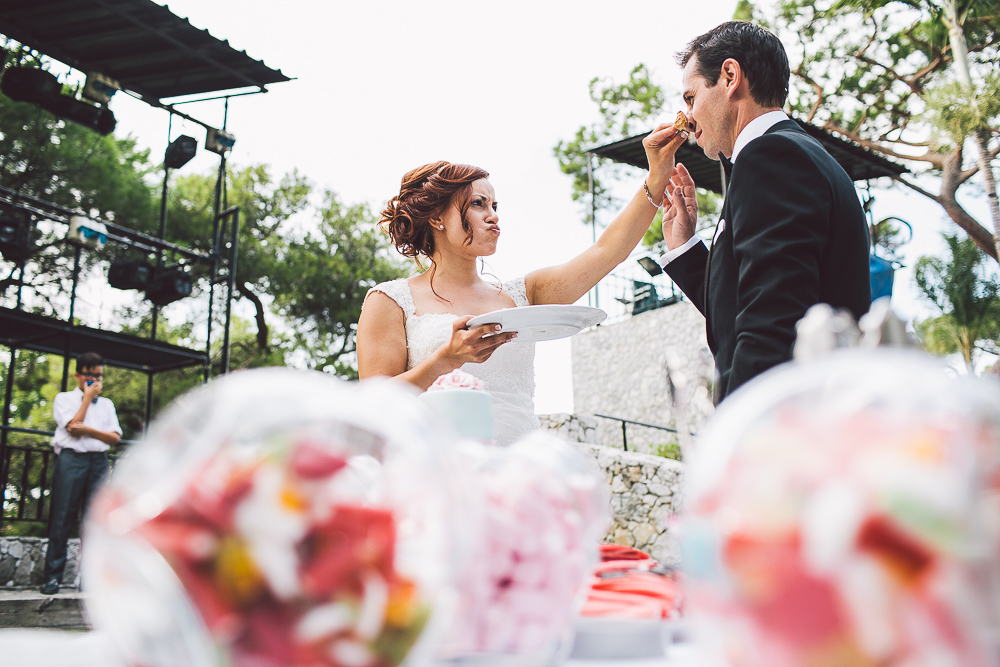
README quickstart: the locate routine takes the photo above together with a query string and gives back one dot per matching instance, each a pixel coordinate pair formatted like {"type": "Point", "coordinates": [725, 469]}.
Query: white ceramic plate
{"type": "Point", "coordinates": [546, 322]}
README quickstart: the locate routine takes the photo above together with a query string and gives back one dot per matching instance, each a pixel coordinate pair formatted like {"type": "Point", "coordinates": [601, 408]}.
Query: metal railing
{"type": "Point", "coordinates": [28, 470]}
{"type": "Point", "coordinates": [630, 290]}
{"type": "Point", "coordinates": [626, 422]}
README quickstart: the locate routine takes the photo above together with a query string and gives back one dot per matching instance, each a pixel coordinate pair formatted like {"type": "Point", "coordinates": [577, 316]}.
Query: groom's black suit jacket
{"type": "Point", "coordinates": [792, 234]}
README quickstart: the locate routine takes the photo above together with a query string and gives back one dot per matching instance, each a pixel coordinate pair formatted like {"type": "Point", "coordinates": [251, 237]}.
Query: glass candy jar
{"type": "Point", "coordinates": [845, 512]}
{"type": "Point", "coordinates": [274, 517]}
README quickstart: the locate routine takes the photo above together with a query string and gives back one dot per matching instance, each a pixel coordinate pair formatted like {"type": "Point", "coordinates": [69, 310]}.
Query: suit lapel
{"type": "Point", "coordinates": [711, 248]}
{"type": "Point", "coordinates": [727, 170]}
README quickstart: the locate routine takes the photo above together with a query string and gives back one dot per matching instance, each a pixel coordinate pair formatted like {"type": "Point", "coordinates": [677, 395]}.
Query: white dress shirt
{"type": "Point", "coordinates": [755, 128]}
{"type": "Point", "coordinates": [100, 415]}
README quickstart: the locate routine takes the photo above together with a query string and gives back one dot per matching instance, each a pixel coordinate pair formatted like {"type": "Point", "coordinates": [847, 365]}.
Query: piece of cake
{"type": "Point", "coordinates": [461, 399]}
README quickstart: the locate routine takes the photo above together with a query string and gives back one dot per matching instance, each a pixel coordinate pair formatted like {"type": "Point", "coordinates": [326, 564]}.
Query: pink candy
{"type": "Point", "coordinates": [539, 525]}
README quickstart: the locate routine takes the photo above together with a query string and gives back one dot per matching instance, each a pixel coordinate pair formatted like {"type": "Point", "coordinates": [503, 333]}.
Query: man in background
{"type": "Point", "coordinates": [86, 426]}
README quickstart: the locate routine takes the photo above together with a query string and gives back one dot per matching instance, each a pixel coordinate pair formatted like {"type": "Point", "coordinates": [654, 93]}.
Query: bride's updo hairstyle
{"type": "Point", "coordinates": [425, 194]}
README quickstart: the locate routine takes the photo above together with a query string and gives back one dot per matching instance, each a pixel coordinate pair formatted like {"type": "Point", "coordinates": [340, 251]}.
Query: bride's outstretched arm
{"type": "Point", "coordinates": [567, 282]}
{"type": "Point", "coordinates": [382, 344]}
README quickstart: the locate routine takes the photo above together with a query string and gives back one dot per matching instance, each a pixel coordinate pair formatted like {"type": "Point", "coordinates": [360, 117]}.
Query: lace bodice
{"type": "Point", "coordinates": [509, 374]}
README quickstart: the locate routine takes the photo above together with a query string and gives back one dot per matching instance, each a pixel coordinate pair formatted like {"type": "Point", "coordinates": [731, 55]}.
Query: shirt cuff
{"type": "Point", "coordinates": [671, 255]}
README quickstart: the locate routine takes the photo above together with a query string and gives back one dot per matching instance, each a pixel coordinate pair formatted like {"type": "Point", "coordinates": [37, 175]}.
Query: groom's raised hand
{"type": "Point", "coordinates": [680, 208]}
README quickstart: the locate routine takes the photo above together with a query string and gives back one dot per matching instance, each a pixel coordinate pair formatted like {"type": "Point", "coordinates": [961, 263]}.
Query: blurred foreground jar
{"type": "Point", "coordinates": [542, 508]}
{"type": "Point", "coordinates": [845, 512]}
{"type": "Point", "coordinates": [275, 517]}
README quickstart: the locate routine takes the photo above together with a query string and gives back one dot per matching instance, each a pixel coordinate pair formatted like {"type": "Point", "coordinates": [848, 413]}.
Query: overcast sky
{"type": "Point", "coordinates": [384, 86]}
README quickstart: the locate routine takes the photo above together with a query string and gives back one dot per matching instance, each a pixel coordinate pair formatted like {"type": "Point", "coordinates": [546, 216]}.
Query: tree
{"type": "Point", "coordinates": [113, 179]}
{"type": "Point", "coordinates": [69, 165]}
{"type": "Point", "coordinates": [626, 109]}
{"type": "Point", "coordinates": [967, 296]}
{"type": "Point", "coordinates": [883, 74]}
{"type": "Point", "coordinates": [321, 280]}
{"type": "Point", "coordinates": [266, 206]}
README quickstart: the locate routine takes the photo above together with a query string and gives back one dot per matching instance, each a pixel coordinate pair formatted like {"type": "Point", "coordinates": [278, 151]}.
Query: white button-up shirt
{"type": "Point", "coordinates": [100, 415]}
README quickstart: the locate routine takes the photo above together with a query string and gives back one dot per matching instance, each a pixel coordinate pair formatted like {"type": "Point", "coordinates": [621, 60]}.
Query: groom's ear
{"type": "Point", "coordinates": [731, 75]}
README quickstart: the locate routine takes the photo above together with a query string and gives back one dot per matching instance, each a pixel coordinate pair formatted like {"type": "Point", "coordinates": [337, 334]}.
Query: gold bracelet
{"type": "Point", "coordinates": [650, 197]}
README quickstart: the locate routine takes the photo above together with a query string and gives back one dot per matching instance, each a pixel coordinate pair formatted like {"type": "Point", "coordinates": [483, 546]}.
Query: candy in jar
{"type": "Point", "coordinates": [274, 517]}
{"type": "Point", "coordinates": [845, 512]}
{"type": "Point", "coordinates": [541, 509]}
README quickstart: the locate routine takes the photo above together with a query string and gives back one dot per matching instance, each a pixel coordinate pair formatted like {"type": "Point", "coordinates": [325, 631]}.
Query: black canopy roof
{"type": "Point", "coordinates": [46, 334]}
{"type": "Point", "coordinates": [859, 163]}
{"type": "Point", "coordinates": [146, 48]}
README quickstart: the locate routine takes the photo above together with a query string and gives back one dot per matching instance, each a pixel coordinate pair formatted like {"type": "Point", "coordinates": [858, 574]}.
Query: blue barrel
{"type": "Point", "coordinates": [881, 271]}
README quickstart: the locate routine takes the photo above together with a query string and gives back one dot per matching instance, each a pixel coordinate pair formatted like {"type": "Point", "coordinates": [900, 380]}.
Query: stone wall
{"type": "Point", "coordinates": [646, 490]}
{"type": "Point", "coordinates": [646, 493]}
{"type": "Point", "coordinates": [22, 562]}
{"type": "Point", "coordinates": [573, 428]}
{"type": "Point", "coordinates": [620, 370]}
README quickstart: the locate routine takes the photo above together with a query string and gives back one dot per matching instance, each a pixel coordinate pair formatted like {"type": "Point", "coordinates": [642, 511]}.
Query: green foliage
{"type": "Point", "coordinates": [968, 297]}
{"type": "Point", "coordinates": [869, 62]}
{"type": "Point", "coordinates": [744, 11]}
{"type": "Point", "coordinates": [889, 235]}
{"type": "Point", "coordinates": [267, 207]}
{"type": "Point", "coordinates": [960, 111]}
{"type": "Point", "coordinates": [883, 73]}
{"type": "Point", "coordinates": [625, 109]}
{"type": "Point", "coordinates": [318, 282]}
{"type": "Point", "coordinates": [321, 280]}
{"type": "Point", "coordinates": [668, 450]}
{"type": "Point", "coordinates": [70, 165]}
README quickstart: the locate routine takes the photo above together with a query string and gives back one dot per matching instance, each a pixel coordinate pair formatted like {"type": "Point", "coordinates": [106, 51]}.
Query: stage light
{"type": "Point", "coordinates": [651, 266]}
{"type": "Point", "coordinates": [169, 284]}
{"type": "Point", "coordinates": [130, 274]}
{"type": "Point", "coordinates": [86, 232]}
{"type": "Point", "coordinates": [219, 141]}
{"type": "Point", "coordinates": [180, 151]}
{"type": "Point", "coordinates": [99, 119]}
{"type": "Point", "coordinates": [30, 84]}
{"type": "Point", "coordinates": [16, 243]}
{"type": "Point", "coordinates": [100, 88]}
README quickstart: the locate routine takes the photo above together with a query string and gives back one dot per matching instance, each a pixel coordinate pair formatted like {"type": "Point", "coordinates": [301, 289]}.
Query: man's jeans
{"type": "Point", "coordinates": [74, 479]}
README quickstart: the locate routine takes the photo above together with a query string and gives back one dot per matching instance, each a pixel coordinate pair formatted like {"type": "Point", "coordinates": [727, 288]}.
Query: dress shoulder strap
{"type": "Point", "coordinates": [399, 291]}
{"type": "Point", "coordinates": [515, 290]}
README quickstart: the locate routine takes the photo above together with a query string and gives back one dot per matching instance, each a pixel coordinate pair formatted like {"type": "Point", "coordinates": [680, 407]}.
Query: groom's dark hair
{"type": "Point", "coordinates": [759, 52]}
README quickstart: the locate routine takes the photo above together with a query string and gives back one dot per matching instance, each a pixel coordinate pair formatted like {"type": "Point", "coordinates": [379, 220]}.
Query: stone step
{"type": "Point", "coordinates": [27, 608]}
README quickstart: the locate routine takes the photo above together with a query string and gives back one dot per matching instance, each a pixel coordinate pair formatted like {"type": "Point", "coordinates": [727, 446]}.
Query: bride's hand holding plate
{"type": "Point", "coordinates": [474, 345]}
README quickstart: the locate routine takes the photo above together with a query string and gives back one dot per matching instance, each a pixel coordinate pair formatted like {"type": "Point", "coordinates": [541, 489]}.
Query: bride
{"type": "Point", "coordinates": [415, 328]}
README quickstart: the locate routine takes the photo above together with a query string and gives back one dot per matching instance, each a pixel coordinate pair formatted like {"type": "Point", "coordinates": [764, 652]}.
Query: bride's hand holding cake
{"type": "Point", "coordinates": [448, 216]}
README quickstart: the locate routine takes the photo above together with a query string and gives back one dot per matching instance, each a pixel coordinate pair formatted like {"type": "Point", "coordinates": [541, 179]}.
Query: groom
{"type": "Point", "coordinates": [792, 232]}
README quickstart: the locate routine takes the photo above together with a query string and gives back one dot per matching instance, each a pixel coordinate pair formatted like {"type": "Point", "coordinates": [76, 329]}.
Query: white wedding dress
{"type": "Point", "coordinates": [509, 373]}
